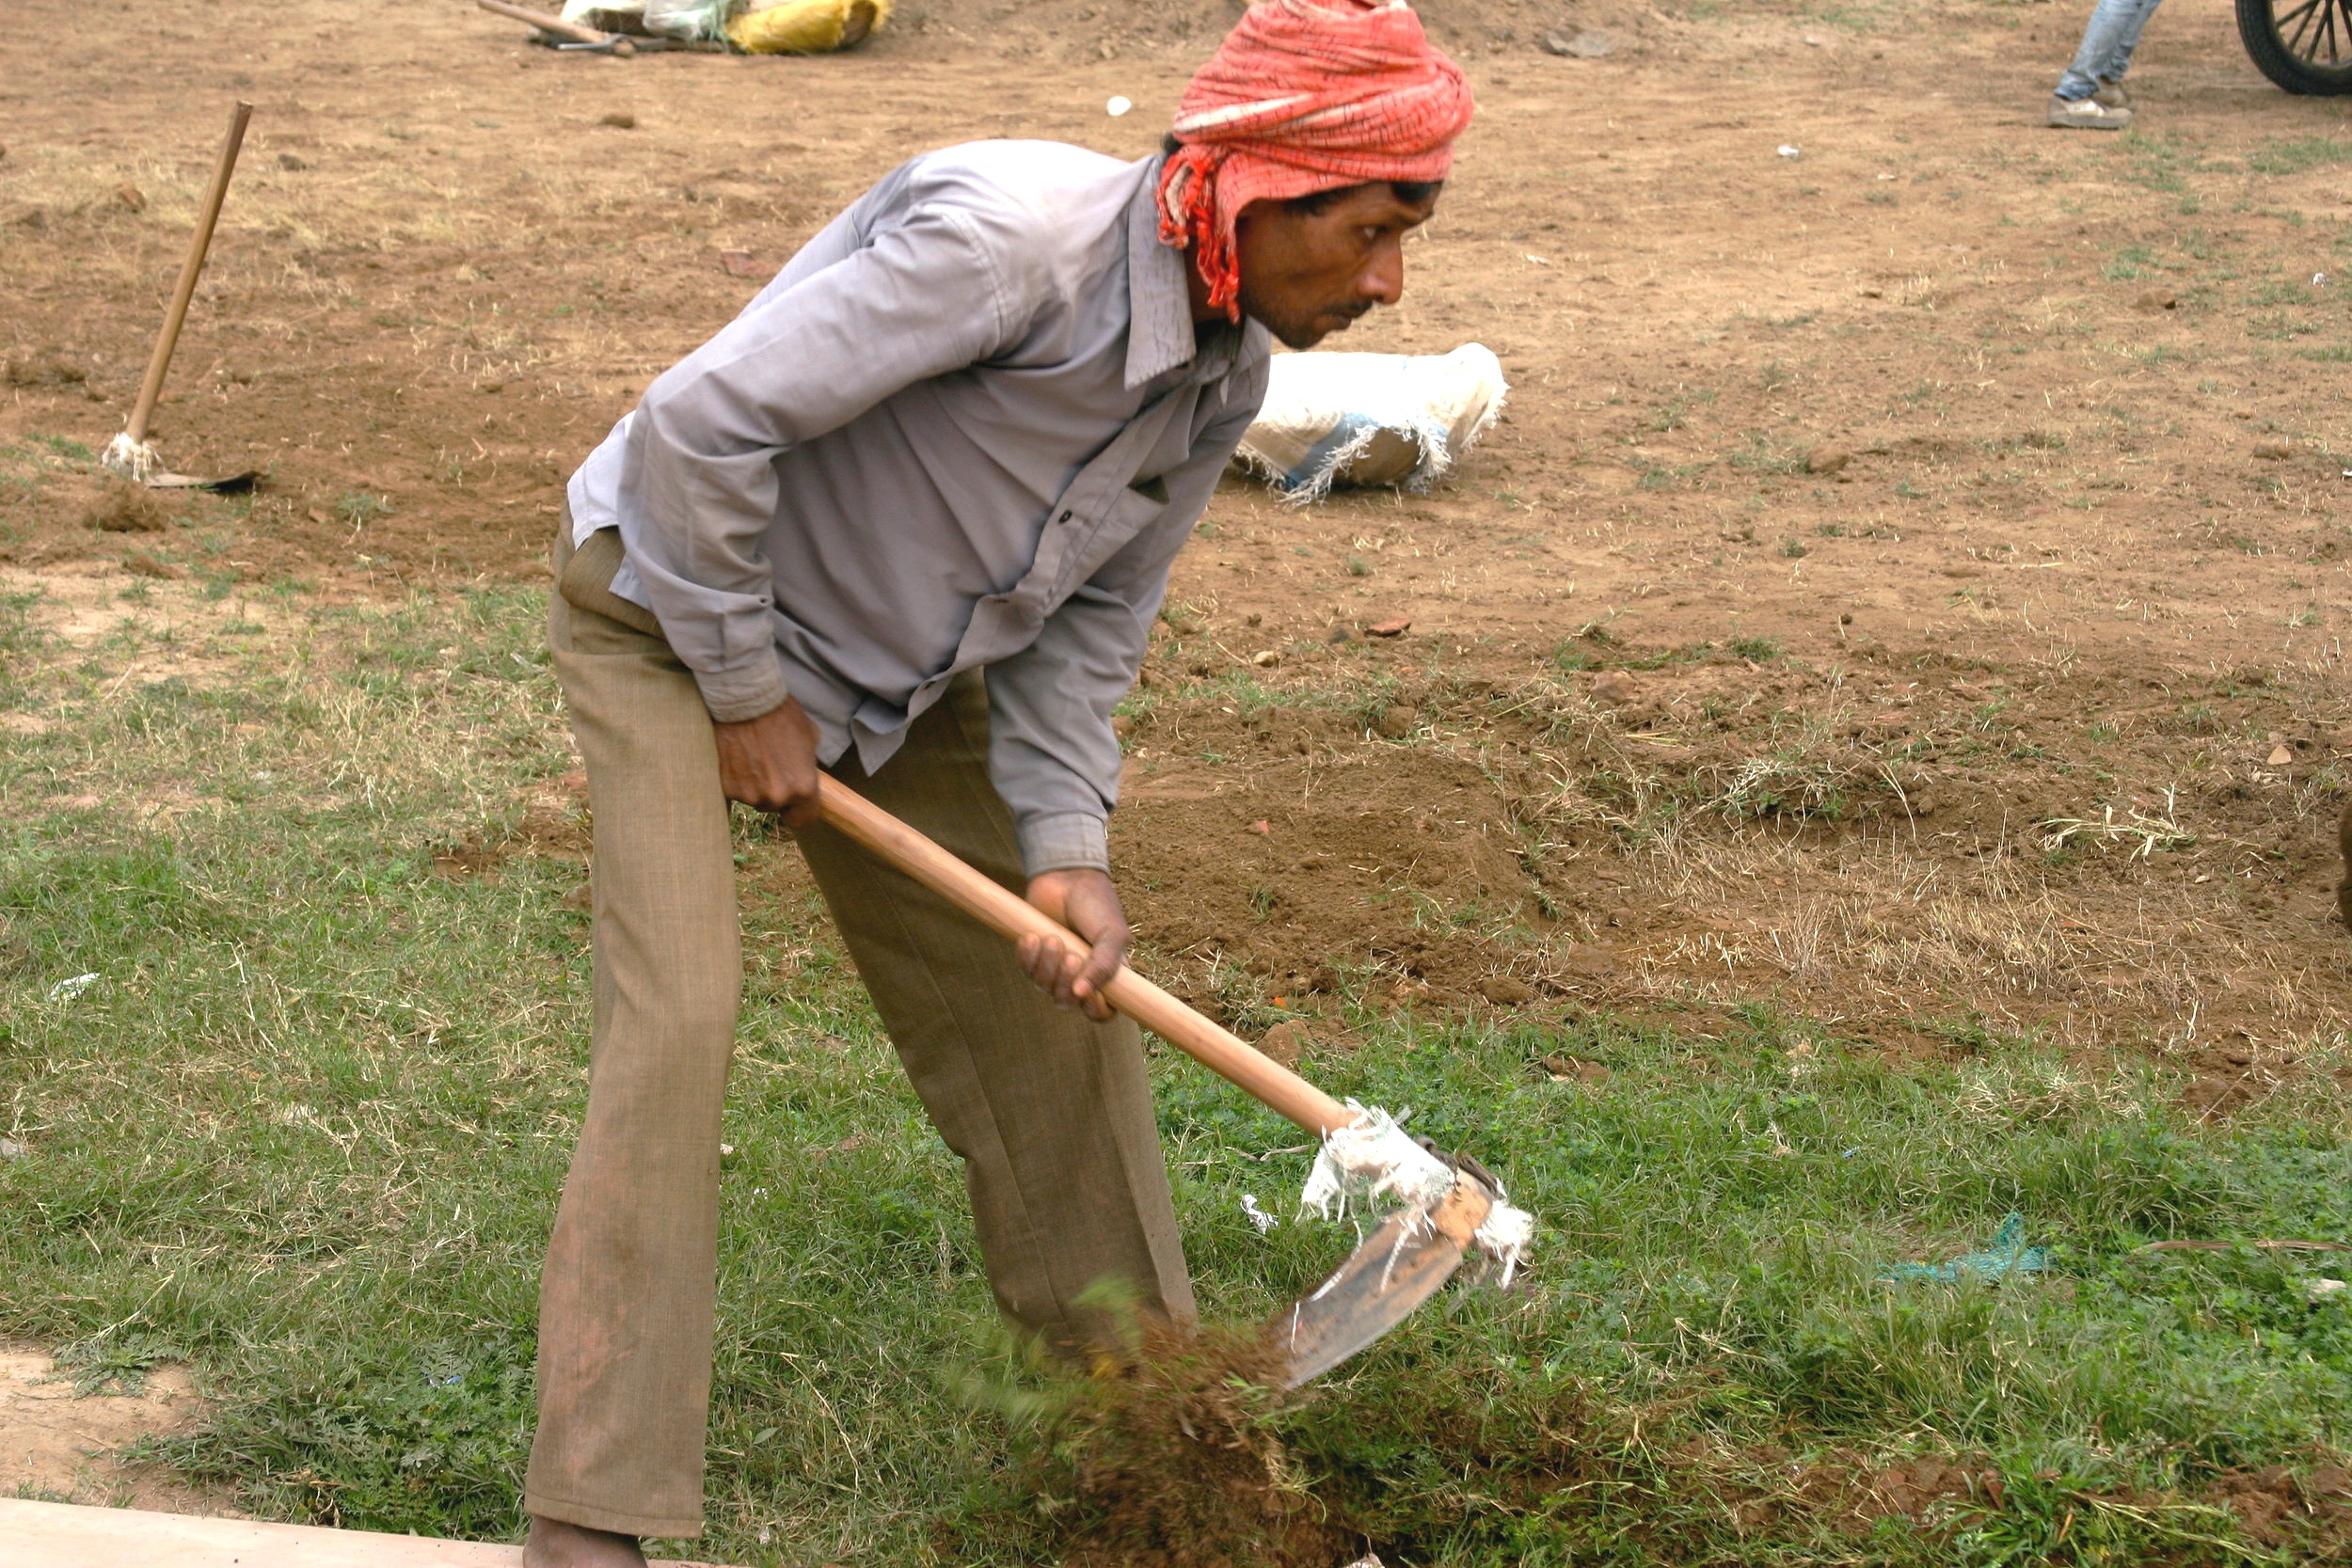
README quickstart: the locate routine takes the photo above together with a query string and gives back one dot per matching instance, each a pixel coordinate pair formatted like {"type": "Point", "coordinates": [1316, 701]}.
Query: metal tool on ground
{"type": "Point", "coordinates": [1443, 1207]}
{"type": "Point", "coordinates": [128, 453]}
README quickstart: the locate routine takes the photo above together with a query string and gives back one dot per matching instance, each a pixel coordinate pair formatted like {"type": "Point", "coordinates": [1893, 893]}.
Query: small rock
{"type": "Point", "coordinates": [2157, 299]}
{"type": "Point", "coordinates": [1826, 460]}
{"type": "Point", "coordinates": [2280, 757]}
{"type": "Point", "coordinates": [1265, 658]}
{"type": "Point", "coordinates": [1589, 960]}
{"type": "Point", "coordinates": [1284, 1043]}
{"type": "Point", "coordinates": [1617, 688]}
{"type": "Point", "coordinates": [1589, 44]}
{"type": "Point", "coordinates": [2274, 451]}
{"type": "Point", "coordinates": [1506, 991]}
{"type": "Point", "coordinates": [1340, 633]}
{"type": "Point", "coordinates": [1923, 804]}
{"type": "Point", "coordinates": [292, 164]}
{"type": "Point", "coordinates": [2319, 1290]}
{"type": "Point", "coordinates": [1566, 1068]}
{"type": "Point", "coordinates": [1263, 828]}
{"type": "Point", "coordinates": [11, 1150]}
{"type": "Point", "coordinates": [1396, 721]}
{"type": "Point", "coordinates": [1123, 726]}
{"type": "Point", "coordinates": [1117, 104]}
{"type": "Point", "coordinates": [620, 119]}
{"type": "Point", "coordinates": [739, 263]}
{"type": "Point", "coordinates": [1396, 626]}
{"type": "Point", "coordinates": [127, 197]}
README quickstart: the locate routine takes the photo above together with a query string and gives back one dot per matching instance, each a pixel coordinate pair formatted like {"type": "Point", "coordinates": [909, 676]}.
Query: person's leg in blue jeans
{"type": "Point", "coordinates": [2109, 40]}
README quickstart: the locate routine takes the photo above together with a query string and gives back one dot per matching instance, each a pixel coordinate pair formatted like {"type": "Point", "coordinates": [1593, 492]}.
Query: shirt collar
{"type": "Point", "coordinates": [1159, 300]}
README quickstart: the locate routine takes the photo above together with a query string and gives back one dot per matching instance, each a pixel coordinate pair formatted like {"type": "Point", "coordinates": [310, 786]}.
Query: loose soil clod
{"type": "Point", "coordinates": [1180, 1462]}
{"type": "Point", "coordinates": [122, 507]}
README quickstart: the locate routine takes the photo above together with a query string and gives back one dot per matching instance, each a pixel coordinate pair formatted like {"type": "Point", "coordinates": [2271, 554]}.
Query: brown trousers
{"type": "Point", "coordinates": [1051, 1113]}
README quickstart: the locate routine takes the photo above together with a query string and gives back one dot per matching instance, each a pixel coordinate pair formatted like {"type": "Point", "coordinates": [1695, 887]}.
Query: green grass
{"type": "Point", "coordinates": [308, 1129]}
{"type": "Point", "coordinates": [2295, 156]}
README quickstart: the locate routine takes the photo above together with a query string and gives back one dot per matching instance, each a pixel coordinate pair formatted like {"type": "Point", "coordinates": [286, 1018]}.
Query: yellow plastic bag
{"type": "Point", "coordinates": [807, 26]}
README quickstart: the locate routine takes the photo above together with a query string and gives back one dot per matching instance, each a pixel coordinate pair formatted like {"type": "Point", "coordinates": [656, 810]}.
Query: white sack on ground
{"type": "Point", "coordinates": [1371, 418]}
{"type": "Point", "coordinates": [606, 16]}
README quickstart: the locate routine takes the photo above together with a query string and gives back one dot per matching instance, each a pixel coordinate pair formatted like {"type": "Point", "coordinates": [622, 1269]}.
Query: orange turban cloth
{"type": "Point", "coordinates": [1305, 96]}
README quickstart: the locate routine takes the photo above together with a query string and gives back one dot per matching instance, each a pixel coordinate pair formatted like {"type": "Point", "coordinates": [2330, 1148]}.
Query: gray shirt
{"type": "Point", "coordinates": [970, 424]}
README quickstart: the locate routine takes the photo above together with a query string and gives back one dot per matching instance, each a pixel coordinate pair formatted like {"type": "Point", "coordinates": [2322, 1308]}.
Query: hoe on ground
{"type": "Point", "coordinates": [1444, 1207]}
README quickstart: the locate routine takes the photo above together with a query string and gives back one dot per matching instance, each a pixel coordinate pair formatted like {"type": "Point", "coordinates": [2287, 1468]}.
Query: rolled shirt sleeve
{"type": "Point", "coordinates": [926, 297]}
{"type": "Point", "coordinates": [1052, 753]}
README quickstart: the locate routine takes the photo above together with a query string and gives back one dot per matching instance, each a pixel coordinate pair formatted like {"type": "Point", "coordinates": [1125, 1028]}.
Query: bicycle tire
{"type": "Point", "coordinates": [2304, 46]}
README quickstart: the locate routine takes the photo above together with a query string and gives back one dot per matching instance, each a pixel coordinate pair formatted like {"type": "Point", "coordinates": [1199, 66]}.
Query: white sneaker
{"type": "Point", "coordinates": [2087, 113]}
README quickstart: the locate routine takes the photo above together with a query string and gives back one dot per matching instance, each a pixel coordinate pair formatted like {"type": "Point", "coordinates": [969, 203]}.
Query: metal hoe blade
{"type": "Point", "coordinates": [1400, 1265]}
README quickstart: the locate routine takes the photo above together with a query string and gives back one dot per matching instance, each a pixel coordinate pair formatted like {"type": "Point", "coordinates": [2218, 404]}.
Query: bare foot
{"type": "Point", "coordinates": [553, 1543]}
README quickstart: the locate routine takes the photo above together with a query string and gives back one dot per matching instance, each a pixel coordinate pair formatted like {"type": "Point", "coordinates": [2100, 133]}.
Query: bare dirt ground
{"type": "Point", "coordinates": [62, 1441]}
{"type": "Point", "coordinates": [1908, 586]}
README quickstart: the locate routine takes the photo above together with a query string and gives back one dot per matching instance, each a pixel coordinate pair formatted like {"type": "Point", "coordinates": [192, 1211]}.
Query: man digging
{"type": "Point", "coordinates": [907, 519]}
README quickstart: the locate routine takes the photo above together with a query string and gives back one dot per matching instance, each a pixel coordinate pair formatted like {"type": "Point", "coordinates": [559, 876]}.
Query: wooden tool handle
{"type": "Point", "coordinates": [153, 387]}
{"type": "Point", "coordinates": [545, 22]}
{"type": "Point", "coordinates": [1222, 1053]}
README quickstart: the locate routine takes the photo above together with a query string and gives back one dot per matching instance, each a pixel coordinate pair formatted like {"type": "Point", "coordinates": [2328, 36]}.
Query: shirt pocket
{"type": "Point", "coordinates": [1131, 511]}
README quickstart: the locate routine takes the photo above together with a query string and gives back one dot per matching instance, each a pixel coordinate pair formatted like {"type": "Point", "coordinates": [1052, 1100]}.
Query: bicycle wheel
{"type": "Point", "coordinates": [2303, 45]}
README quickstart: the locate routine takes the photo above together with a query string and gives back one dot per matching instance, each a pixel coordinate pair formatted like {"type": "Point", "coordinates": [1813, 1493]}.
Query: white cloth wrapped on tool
{"type": "Point", "coordinates": [1370, 1160]}
{"type": "Point", "coordinates": [1371, 418]}
{"type": "Point", "coordinates": [1373, 1162]}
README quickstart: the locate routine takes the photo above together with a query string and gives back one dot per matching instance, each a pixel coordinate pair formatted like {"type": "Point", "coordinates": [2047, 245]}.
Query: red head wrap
{"type": "Point", "coordinates": [1305, 96]}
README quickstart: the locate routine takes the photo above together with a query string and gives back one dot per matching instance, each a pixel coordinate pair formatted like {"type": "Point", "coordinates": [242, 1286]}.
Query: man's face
{"type": "Point", "coordinates": [1309, 275]}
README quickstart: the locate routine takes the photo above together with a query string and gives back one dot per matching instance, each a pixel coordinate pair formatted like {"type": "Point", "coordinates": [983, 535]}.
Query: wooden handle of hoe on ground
{"type": "Point", "coordinates": [545, 22]}
{"type": "Point", "coordinates": [1222, 1053]}
{"type": "Point", "coordinates": [199, 244]}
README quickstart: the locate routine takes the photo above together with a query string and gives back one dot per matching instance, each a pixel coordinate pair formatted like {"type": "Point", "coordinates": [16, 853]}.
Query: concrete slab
{"type": "Point", "coordinates": [66, 1535]}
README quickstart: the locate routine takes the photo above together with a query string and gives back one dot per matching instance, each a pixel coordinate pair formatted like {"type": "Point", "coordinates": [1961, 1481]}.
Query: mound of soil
{"type": "Point", "coordinates": [122, 507]}
{"type": "Point", "coordinates": [1180, 1466]}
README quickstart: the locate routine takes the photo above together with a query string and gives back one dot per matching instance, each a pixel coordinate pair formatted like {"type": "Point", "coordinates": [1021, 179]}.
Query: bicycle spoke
{"type": "Point", "coordinates": [2311, 14]}
{"type": "Point", "coordinates": [2279, 24]}
{"type": "Point", "coordinates": [2331, 21]}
